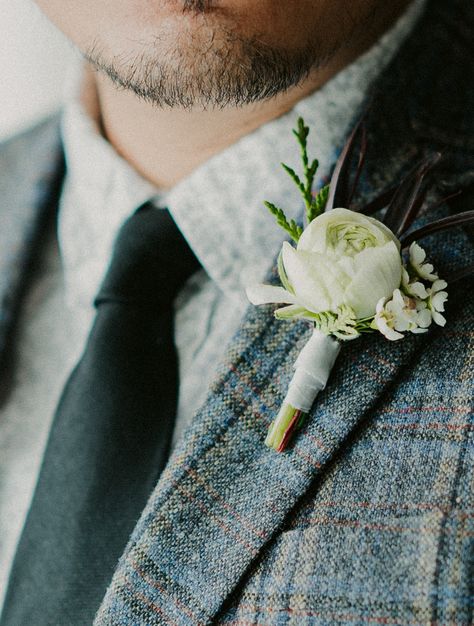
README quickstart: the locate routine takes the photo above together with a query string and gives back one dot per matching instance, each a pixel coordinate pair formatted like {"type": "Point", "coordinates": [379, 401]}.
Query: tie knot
{"type": "Point", "coordinates": [151, 260]}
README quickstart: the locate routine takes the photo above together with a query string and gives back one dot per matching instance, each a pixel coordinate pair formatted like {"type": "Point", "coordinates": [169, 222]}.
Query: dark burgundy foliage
{"type": "Point", "coordinates": [403, 202]}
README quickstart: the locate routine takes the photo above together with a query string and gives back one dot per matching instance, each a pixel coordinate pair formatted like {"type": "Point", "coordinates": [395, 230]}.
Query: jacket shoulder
{"type": "Point", "coordinates": [31, 167]}
{"type": "Point", "coordinates": [27, 159]}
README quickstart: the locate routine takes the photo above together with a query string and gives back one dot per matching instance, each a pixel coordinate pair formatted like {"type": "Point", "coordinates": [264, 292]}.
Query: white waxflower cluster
{"type": "Point", "coordinates": [414, 306]}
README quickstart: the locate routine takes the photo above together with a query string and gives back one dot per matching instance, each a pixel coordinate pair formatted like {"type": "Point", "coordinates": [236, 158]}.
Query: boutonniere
{"type": "Point", "coordinates": [347, 273]}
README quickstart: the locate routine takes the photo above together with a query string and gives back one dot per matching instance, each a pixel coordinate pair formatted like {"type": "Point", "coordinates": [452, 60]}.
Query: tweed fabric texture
{"type": "Point", "coordinates": [368, 518]}
{"type": "Point", "coordinates": [384, 531]}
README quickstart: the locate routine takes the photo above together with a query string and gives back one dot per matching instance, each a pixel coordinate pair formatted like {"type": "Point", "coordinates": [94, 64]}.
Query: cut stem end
{"type": "Point", "coordinates": [283, 427]}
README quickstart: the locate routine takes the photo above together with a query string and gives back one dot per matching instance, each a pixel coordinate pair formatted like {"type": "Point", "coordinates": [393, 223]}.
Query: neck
{"type": "Point", "coordinates": [166, 145]}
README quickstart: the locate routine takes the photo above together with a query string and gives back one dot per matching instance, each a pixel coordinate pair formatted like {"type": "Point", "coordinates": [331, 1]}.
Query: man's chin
{"type": "Point", "coordinates": [207, 70]}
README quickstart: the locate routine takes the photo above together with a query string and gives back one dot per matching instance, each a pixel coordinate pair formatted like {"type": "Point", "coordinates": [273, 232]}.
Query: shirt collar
{"type": "Point", "coordinates": [219, 207]}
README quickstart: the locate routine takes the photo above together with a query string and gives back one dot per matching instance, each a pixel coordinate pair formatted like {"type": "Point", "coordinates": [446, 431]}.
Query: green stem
{"type": "Point", "coordinates": [283, 427]}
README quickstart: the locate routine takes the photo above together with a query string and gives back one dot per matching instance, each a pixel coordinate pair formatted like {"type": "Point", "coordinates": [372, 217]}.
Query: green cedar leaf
{"type": "Point", "coordinates": [291, 227]}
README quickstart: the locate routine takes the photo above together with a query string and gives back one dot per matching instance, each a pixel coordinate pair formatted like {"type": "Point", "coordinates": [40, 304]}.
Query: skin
{"type": "Point", "coordinates": [177, 81]}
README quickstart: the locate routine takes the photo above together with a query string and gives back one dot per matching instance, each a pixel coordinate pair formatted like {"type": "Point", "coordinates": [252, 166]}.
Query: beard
{"type": "Point", "coordinates": [211, 66]}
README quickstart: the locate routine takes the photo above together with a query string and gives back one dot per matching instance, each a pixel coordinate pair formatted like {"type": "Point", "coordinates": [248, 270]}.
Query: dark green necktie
{"type": "Point", "coordinates": [111, 433]}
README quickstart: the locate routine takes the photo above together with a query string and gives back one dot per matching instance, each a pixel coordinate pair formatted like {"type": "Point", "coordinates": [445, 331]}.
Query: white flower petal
{"type": "Point", "coordinates": [417, 258]}
{"type": "Point", "coordinates": [438, 318]}
{"type": "Point", "coordinates": [385, 329]}
{"type": "Point", "coordinates": [309, 285]}
{"type": "Point", "coordinates": [438, 285]}
{"type": "Point", "coordinates": [417, 254]}
{"type": "Point", "coordinates": [398, 300]}
{"type": "Point", "coordinates": [426, 271]}
{"type": "Point", "coordinates": [438, 300]}
{"type": "Point", "coordinates": [418, 289]}
{"type": "Point", "coordinates": [402, 324]}
{"type": "Point", "coordinates": [424, 318]}
{"type": "Point", "coordinates": [266, 294]}
{"type": "Point", "coordinates": [292, 311]}
{"type": "Point", "coordinates": [313, 238]}
{"type": "Point", "coordinates": [378, 275]}
{"type": "Point", "coordinates": [380, 305]}
{"type": "Point", "coordinates": [415, 288]}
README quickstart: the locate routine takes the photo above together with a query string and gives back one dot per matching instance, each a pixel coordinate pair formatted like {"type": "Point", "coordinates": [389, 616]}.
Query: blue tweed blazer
{"type": "Point", "coordinates": [369, 516]}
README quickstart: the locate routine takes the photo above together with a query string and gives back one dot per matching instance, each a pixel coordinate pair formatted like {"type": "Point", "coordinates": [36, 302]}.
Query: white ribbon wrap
{"type": "Point", "coordinates": [312, 369]}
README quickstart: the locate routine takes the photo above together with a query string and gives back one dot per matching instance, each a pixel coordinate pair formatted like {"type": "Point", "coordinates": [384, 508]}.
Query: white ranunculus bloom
{"type": "Point", "coordinates": [342, 258]}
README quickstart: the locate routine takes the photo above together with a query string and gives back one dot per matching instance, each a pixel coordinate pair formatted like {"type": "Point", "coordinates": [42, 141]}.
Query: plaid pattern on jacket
{"type": "Point", "coordinates": [369, 517]}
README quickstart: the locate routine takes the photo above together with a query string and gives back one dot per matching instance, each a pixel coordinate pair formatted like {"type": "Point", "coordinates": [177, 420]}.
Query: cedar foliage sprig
{"type": "Point", "coordinates": [291, 227]}
{"type": "Point", "coordinates": [314, 203]}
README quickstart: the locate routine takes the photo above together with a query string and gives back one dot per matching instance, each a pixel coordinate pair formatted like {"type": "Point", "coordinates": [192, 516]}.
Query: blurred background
{"type": "Point", "coordinates": [34, 62]}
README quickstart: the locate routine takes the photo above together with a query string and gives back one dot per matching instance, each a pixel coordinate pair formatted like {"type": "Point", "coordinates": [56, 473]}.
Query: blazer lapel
{"type": "Point", "coordinates": [27, 196]}
{"type": "Point", "coordinates": [224, 495]}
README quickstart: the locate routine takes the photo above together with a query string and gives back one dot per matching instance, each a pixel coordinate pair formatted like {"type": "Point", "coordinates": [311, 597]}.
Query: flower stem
{"type": "Point", "coordinates": [281, 430]}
